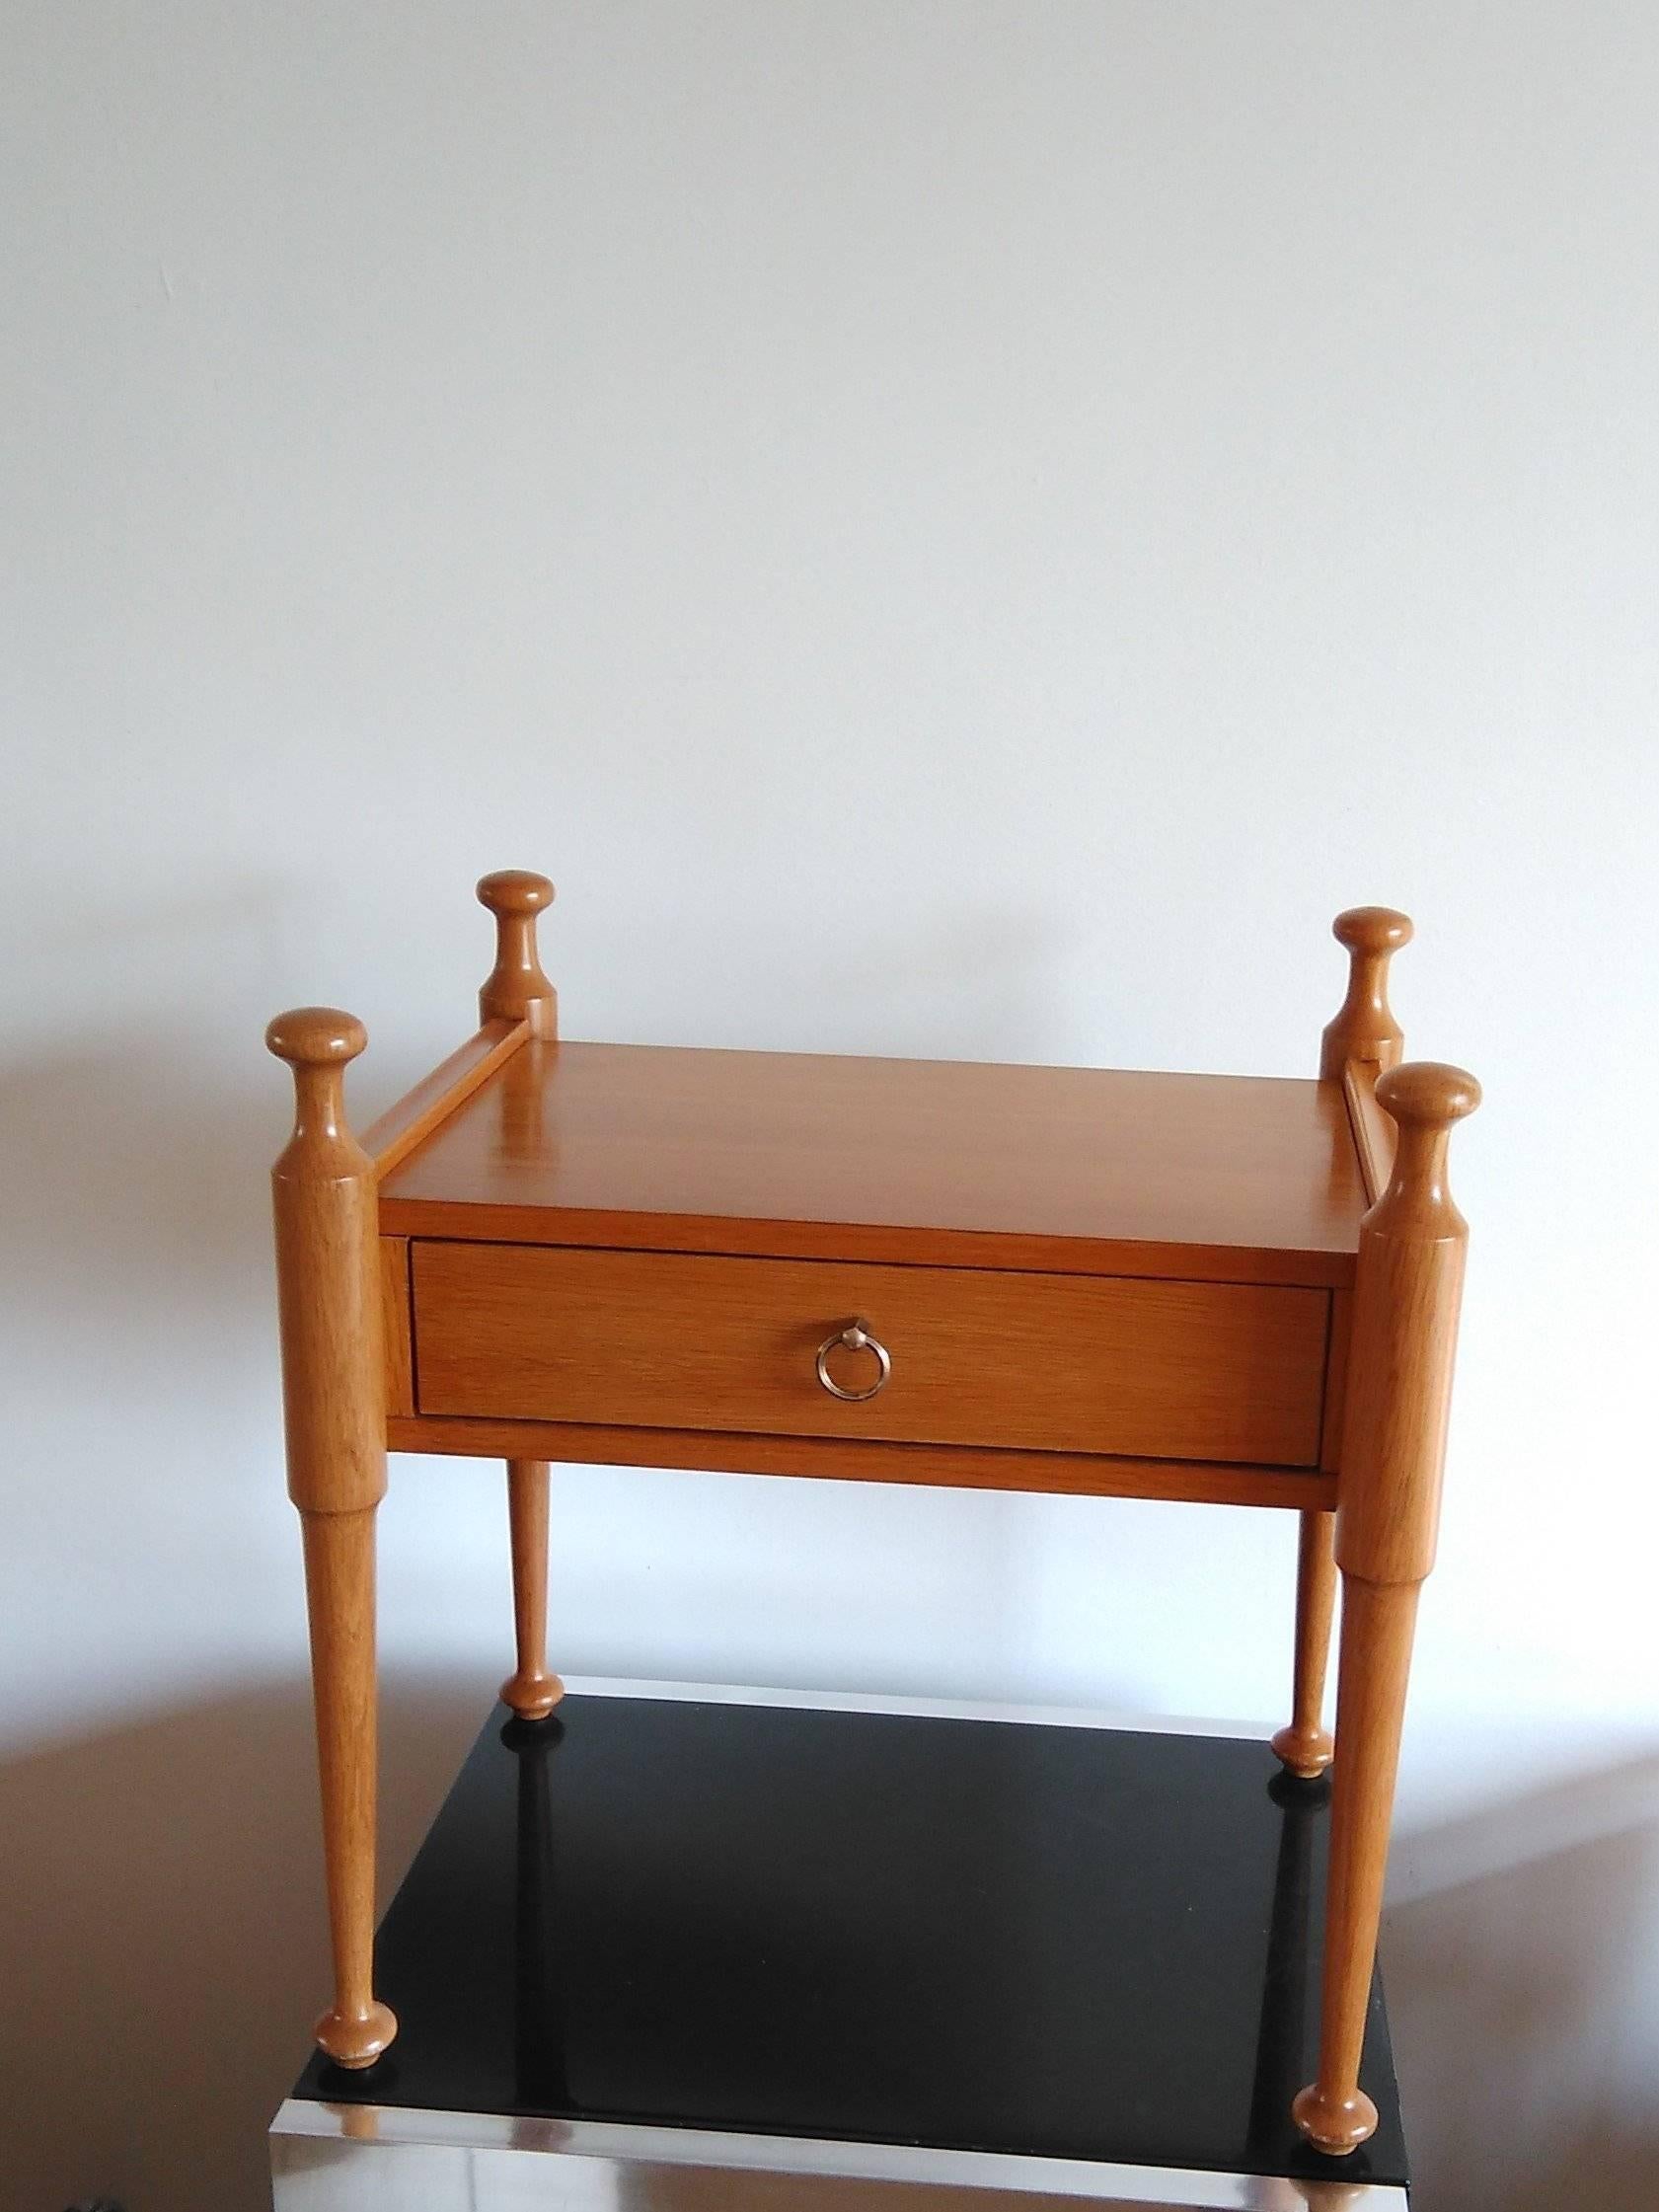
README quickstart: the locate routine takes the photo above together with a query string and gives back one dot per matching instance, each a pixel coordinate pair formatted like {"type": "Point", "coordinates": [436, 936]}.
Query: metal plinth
{"type": "Point", "coordinates": [368, 2157]}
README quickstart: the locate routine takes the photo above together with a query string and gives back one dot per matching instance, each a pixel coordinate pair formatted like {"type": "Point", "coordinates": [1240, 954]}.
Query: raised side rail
{"type": "Point", "coordinates": [1374, 1131]}
{"type": "Point", "coordinates": [391, 1139]}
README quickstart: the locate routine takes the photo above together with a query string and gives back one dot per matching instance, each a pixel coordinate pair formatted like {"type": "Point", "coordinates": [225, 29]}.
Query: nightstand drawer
{"type": "Point", "coordinates": [1034, 1362]}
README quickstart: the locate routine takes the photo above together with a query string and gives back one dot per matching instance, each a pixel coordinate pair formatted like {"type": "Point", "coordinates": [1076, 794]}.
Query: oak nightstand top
{"type": "Point", "coordinates": [935, 1161]}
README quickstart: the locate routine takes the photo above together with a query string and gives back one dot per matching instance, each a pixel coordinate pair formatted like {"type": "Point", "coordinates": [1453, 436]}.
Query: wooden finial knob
{"type": "Point", "coordinates": [516, 989]}
{"type": "Point", "coordinates": [316, 1037]}
{"type": "Point", "coordinates": [1372, 929]}
{"type": "Point", "coordinates": [514, 890]}
{"type": "Point", "coordinates": [1336, 2125]}
{"type": "Point", "coordinates": [1364, 1029]}
{"type": "Point", "coordinates": [1425, 1098]}
{"type": "Point", "coordinates": [317, 1042]}
{"type": "Point", "coordinates": [1427, 1094]}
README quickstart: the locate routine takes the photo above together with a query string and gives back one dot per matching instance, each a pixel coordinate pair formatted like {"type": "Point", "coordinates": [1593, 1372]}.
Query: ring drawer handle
{"type": "Point", "coordinates": [856, 1336]}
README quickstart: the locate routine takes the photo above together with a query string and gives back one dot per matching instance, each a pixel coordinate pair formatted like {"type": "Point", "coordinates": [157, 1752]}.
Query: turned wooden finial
{"type": "Point", "coordinates": [1425, 1099]}
{"type": "Point", "coordinates": [317, 1042]}
{"type": "Point", "coordinates": [1364, 1029]}
{"type": "Point", "coordinates": [517, 990]}
{"type": "Point", "coordinates": [1427, 1094]}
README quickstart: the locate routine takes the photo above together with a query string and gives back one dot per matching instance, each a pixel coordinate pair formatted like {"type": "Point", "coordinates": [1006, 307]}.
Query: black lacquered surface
{"type": "Point", "coordinates": [981, 1935]}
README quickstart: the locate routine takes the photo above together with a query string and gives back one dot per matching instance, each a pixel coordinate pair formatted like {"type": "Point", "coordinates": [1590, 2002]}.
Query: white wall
{"type": "Point", "coordinates": [964, 529]}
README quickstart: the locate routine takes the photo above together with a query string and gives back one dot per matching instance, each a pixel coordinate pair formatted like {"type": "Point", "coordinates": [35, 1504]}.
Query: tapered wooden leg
{"type": "Point", "coordinates": [1378, 1618]}
{"type": "Point", "coordinates": [1304, 1745]}
{"type": "Point", "coordinates": [328, 1290]}
{"type": "Point", "coordinates": [340, 1594]}
{"type": "Point", "coordinates": [530, 1690]}
{"type": "Point", "coordinates": [1407, 1284]}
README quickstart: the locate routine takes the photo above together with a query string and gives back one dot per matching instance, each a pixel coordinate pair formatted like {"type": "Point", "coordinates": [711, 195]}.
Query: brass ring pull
{"type": "Point", "coordinates": [856, 1336]}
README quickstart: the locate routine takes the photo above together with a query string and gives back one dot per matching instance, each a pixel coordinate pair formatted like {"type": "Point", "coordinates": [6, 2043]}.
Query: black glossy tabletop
{"type": "Point", "coordinates": [990, 1935]}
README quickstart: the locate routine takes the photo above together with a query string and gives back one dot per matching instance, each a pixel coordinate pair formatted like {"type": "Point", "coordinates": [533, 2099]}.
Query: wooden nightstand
{"type": "Point", "coordinates": [1005, 1277]}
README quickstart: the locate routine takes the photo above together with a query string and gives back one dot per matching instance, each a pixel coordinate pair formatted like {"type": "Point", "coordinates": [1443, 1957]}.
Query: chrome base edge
{"type": "Point", "coordinates": [370, 2158]}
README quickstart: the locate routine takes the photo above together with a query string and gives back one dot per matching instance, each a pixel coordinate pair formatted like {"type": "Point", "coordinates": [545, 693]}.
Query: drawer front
{"type": "Point", "coordinates": [1034, 1362]}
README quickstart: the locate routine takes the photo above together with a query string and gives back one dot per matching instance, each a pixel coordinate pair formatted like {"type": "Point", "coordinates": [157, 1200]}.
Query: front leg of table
{"type": "Point", "coordinates": [339, 1596]}
{"type": "Point", "coordinates": [1378, 1618]}
{"type": "Point", "coordinates": [330, 1295]}
{"type": "Point", "coordinates": [1408, 1283]}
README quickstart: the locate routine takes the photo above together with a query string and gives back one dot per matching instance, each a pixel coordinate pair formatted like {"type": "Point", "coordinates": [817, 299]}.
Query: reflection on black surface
{"type": "Point", "coordinates": [538, 2010]}
{"type": "Point", "coordinates": [1282, 2034]}
{"type": "Point", "coordinates": [1068, 1941]}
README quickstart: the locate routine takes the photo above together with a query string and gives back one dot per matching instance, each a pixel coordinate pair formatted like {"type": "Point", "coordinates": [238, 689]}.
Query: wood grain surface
{"type": "Point", "coordinates": [1179, 1370]}
{"type": "Point", "coordinates": [1398, 1395]}
{"type": "Point", "coordinates": [396, 1327]}
{"type": "Point", "coordinates": [411, 1119]}
{"type": "Point", "coordinates": [862, 1459]}
{"type": "Point", "coordinates": [1079, 1170]}
{"type": "Point", "coordinates": [331, 1302]}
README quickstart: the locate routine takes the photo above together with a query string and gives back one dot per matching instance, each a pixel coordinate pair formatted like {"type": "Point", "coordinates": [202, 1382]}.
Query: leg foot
{"type": "Point", "coordinates": [530, 1690]}
{"type": "Point", "coordinates": [359, 2039]}
{"type": "Point", "coordinates": [1304, 1753]}
{"type": "Point", "coordinates": [1304, 1745]}
{"type": "Point", "coordinates": [1337, 2126]}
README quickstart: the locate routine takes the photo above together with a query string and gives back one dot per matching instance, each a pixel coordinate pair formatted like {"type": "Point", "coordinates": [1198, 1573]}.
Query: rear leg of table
{"type": "Point", "coordinates": [531, 1690]}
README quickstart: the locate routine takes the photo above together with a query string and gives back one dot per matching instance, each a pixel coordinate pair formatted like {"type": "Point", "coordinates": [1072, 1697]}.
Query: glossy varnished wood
{"type": "Point", "coordinates": [1406, 1305]}
{"type": "Point", "coordinates": [865, 1460]}
{"type": "Point", "coordinates": [1364, 1027]}
{"type": "Point", "coordinates": [402, 1127]}
{"type": "Point", "coordinates": [1407, 1300]}
{"type": "Point", "coordinates": [330, 1295]}
{"type": "Point", "coordinates": [1360, 1040]}
{"type": "Point", "coordinates": [1304, 1744]}
{"type": "Point", "coordinates": [1378, 1618]}
{"type": "Point", "coordinates": [532, 1689]}
{"type": "Point", "coordinates": [328, 1275]}
{"type": "Point", "coordinates": [1179, 1370]}
{"type": "Point", "coordinates": [516, 989]}
{"type": "Point", "coordinates": [1373, 1131]}
{"type": "Point", "coordinates": [934, 1163]}
{"type": "Point", "coordinates": [340, 1587]}
{"type": "Point", "coordinates": [1089, 1282]}
{"type": "Point", "coordinates": [397, 1324]}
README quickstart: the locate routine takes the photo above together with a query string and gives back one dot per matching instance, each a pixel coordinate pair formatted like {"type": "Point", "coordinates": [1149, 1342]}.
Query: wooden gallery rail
{"type": "Point", "coordinates": [1223, 1289]}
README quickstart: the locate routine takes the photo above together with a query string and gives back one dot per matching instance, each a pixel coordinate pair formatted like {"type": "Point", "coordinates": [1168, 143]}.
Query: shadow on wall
{"type": "Point", "coordinates": [1521, 2002]}
{"type": "Point", "coordinates": [161, 1922]}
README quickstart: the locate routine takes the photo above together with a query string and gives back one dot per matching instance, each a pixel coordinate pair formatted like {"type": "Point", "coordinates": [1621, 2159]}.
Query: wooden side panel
{"type": "Point", "coordinates": [1036, 1362]}
{"type": "Point", "coordinates": [400, 1346]}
